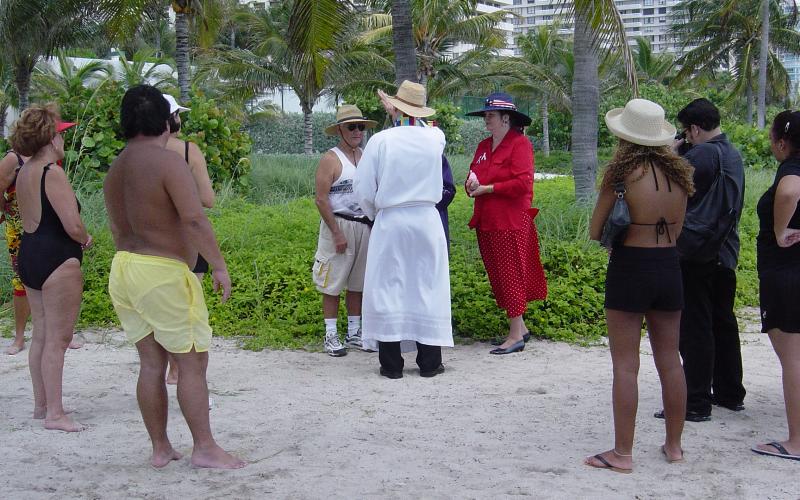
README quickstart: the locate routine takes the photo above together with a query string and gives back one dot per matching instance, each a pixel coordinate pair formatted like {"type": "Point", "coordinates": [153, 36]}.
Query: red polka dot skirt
{"type": "Point", "coordinates": [511, 258]}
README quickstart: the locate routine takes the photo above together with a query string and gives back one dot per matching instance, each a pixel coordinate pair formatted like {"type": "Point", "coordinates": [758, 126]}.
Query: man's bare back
{"type": "Point", "coordinates": [153, 205]}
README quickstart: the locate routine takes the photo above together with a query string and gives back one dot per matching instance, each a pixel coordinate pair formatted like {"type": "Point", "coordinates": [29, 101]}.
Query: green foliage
{"type": "Point", "coordinates": [753, 143]}
{"type": "Point", "coordinates": [447, 119]}
{"type": "Point", "coordinates": [284, 134]}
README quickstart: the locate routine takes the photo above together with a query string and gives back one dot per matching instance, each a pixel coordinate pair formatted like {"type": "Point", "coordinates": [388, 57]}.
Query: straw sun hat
{"type": "Point", "coordinates": [641, 122]}
{"type": "Point", "coordinates": [410, 99]}
{"type": "Point", "coordinates": [347, 113]}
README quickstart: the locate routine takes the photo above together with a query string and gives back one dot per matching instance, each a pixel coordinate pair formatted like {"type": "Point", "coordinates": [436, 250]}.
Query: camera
{"type": "Point", "coordinates": [681, 136]}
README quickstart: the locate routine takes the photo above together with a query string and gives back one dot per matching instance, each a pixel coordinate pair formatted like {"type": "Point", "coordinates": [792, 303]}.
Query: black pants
{"type": "Point", "coordinates": [709, 343]}
{"type": "Point", "coordinates": [429, 357]}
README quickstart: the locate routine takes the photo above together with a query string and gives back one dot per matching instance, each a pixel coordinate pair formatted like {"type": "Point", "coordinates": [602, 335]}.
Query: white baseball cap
{"type": "Point", "coordinates": [173, 104]}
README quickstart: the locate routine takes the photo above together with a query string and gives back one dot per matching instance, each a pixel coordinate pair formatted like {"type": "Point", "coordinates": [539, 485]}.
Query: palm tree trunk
{"type": "Point", "coordinates": [308, 129]}
{"type": "Point", "coordinates": [23, 80]}
{"type": "Point", "coordinates": [182, 53]}
{"type": "Point", "coordinates": [762, 64]}
{"type": "Point", "coordinates": [748, 118]}
{"type": "Point", "coordinates": [545, 128]}
{"type": "Point", "coordinates": [405, 56]}
{"type": "Point", "coordinates": [3, 116]}
{"type": "Point", "coordinates": [585, 104]}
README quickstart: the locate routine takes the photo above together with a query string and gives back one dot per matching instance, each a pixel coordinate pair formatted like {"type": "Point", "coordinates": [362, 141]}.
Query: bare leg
{"type": "Point", "coordinates": [330, 306]}
{"type": "Point", "coordinates": [61, 299]}
{"type": "Point", "coordinates": [664, 337]}
{"type": "Point", "coordinates": [151, 393]}
{"type": "Point", "coordinates": [22, 310]}
{"type": "Point", "coordinates": [624, 337]}
{"type": "Point", "coordinates": [172, 373]}
{"type": "Point", "coordinates": [353, 302]}
{"type": "Point", "coordinates": [516, 330]}
{"type": "Point", "coordinates": [787, 347]}
{"type": "Point", "coordinates": [35, 353]}
{"type": "Point", "coordinates": [193, 398]}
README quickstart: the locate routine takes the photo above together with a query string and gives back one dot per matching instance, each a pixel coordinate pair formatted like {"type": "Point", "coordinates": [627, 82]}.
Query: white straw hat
{"type": "Point", "coordinates": [410, 99]}
{"type": "Point", "coordinates": [641, 122]}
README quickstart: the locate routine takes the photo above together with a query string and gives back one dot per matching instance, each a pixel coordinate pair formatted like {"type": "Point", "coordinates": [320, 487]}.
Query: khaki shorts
{"type": "Point", "coordinates": [334, 272]}
{"type": "Point", "coordinates": [161, 296]}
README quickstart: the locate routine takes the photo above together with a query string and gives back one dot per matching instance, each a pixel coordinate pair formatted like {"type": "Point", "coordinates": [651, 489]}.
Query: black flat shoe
{"type": "Point", "coordinates": [518, 347]}
{"type": "Point", "coordinates": [391, 374]}
{"type": "Point", "coordinates": [436, 371]}
{"type": "Point", "coordinates": [691, 416]}
{"type": "Point", "coordinates": [525, 338]}
{"type": "Point", "coordinates": [731, 406]}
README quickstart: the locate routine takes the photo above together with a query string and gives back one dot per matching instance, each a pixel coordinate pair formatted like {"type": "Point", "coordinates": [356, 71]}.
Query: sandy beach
{"type": "Point", "coordinates": [313, 426]}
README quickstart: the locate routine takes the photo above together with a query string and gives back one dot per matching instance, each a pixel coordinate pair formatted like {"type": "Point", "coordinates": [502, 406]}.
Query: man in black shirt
{"type": "Point", "coordinates": [709, 342]}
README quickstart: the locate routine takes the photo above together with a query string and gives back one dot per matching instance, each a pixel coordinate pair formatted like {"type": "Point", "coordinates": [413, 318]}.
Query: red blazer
{"type": "Point", "coordinates": [510, 169]}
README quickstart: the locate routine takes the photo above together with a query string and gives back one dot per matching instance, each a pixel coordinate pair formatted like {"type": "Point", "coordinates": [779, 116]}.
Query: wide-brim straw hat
{"type": "Point", "coordinates": [411, 99]}
{"type": "Point", "coordinates": [641, 122]}
{"type": "Point", "coordinates": [500, 101]}
{"type": "Point", "coordinates": [347, 113]}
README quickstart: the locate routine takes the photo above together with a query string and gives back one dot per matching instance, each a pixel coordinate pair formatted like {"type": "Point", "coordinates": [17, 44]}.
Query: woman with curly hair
{"type": "Point", "coordinates": [644, 276]}
{"type": "Point", "coordinates": [50, 254]}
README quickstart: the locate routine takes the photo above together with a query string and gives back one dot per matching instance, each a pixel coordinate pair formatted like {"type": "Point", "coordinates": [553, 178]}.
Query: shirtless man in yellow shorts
{"type": "Point", "coordinates": [159, 226]}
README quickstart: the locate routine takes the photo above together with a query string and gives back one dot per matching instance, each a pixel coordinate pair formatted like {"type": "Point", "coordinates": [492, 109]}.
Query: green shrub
{"type": "Point", "coordinates": [752, 143]}
{"type": "Point", "coordinates": [284, 134]}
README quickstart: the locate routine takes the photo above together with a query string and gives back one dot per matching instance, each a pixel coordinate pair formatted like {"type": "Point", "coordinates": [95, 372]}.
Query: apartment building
{"type": "Point", "coordinates": [648, 18]}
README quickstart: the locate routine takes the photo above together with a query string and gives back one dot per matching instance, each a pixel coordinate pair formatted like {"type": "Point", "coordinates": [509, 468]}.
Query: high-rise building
{"type": "Point", "coordinates": [648, 18]}
{"type": "Point", "coordinates": [506, 27]}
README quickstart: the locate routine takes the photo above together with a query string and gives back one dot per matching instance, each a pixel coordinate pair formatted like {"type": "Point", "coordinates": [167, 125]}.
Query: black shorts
{"type": "Point", "coordinates": [778, 291]}
{"type": "Point", "coordinates": [644, 279]}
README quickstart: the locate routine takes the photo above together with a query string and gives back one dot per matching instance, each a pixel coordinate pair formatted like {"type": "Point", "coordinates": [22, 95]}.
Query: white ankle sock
{"type": "Point", "coordinates": [330, 326]}
{"type": "Point", "coordinates": [353, 324]}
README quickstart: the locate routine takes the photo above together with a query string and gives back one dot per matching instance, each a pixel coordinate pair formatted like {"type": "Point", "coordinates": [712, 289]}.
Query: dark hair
{"type": "Point", "coordinates": [700, 112]}
{"type": "Point", "coordinates": [786, 126]}
{"type": "Point", "coordinates": [516, 121]}
{"type": "Point", "coordinates": [174, 125]}
{"type": "Point", "coordinates": [144, 111]}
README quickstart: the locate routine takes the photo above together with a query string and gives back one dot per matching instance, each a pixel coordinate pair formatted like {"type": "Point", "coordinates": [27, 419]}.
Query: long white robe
{"type": "Point", "coordinates": [407, 283]}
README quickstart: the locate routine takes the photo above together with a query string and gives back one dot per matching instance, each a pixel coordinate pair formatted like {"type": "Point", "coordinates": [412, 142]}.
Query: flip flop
{"type": "Point", "coordinates": [12, 350]}
{"type": "Point", "coordinates": [782, 452]}
{"type": "Point", "coordinates": [671, 460]}
{"type": "Point", "coordinates": [607, 465]}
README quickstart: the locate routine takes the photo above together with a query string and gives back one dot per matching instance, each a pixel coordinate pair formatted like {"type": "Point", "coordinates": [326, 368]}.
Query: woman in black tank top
{"type": "Point", "coordinates": [49, 258]}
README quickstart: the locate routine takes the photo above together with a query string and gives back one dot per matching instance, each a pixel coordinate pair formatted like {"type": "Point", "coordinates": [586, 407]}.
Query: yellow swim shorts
{"type": "Point", "coordinates": [162, 296]}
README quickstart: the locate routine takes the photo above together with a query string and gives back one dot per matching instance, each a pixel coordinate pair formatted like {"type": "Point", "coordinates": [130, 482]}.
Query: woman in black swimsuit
{"type": "Point", "coordinates": [643, 280]}
{"type": "Point", "coordinates": [50, 256]}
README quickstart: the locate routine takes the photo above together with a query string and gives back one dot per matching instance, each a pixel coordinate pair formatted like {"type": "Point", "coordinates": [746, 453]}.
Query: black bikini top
{"type": "Point", "coordinates": [661, 224]}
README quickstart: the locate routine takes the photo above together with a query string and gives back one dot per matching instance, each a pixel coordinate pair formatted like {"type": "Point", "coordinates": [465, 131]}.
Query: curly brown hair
{"type": "Point", "coordinates": [34, 129]}
{"type": "Point", "coordinates": [629, 156]}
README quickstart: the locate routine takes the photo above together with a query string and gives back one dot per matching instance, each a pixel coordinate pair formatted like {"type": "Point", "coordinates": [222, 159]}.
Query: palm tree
{"type": "Point", "coordinates": [32, 29]}
{"type": "Point", "coordinates": [68, 80]}
{"type": "Point", "coordinates": [8, 93]}
{"type": "Point", "coordinates": [405, 56]}
{"type": "Point", "coordinates": [651, 67]}
{"type": "Point", "coordinates": [438, 27]}
{"type": "Point", "coordinates": [140, 70]}
{"type": "Point", "coordinates": [308, 46]}
{"type": "Point", "coordinates": [598, 26]}
{"type": "Point", "coordinates": [726, 34]}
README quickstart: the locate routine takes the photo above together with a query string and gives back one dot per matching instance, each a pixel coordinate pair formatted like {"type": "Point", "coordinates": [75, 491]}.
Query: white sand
{"type": "Point", "coordinates": [313, 426]}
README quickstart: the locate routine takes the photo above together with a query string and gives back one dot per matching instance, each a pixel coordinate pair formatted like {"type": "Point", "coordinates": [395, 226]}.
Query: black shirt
{"type": "Point", "coordinates": [705, 158]}
{"type": "Point", "coordinates": [770, 255]}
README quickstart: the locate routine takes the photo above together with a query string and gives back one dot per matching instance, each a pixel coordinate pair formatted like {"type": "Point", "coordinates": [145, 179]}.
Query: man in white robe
{"type": "Point", "coordinates": [407, 283]}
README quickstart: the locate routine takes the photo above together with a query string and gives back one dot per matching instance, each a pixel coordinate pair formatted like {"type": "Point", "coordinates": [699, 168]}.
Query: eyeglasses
{"type": "Point", "coordinates": [353, 126]}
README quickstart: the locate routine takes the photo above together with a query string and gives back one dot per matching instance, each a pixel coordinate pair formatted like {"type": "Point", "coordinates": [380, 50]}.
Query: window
{"type": "Point", "coordinates": [662, 10]}
{"type": "Point", "coordinates": [648, 12]}
{"type": "Point", "coordinates": [531, 10]}
{"type": "Point", "coordinates": [530, 20]}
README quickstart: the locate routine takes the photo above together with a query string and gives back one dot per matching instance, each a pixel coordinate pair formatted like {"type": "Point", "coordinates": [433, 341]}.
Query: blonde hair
{"type": "Point", "coordinates": [629, 156]}
{"type": "Point", "coordinates": [34, 129]}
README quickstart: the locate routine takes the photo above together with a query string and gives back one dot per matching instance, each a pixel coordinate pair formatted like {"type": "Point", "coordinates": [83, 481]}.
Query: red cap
{"type": "Point", "coordinates": [62, 126]}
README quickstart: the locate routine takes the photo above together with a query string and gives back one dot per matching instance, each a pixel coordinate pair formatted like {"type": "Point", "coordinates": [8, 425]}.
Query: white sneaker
{"type": "Point", "coordinates": [333, 346]}
{"type": "Point", "coordinates": [354, 340]}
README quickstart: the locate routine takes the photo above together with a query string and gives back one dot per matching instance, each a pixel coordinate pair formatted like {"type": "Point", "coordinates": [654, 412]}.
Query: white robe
{"type": "Point", "coordinates": [407, 283]}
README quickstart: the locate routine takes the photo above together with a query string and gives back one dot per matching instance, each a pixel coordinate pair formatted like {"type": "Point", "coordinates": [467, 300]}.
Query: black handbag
{"type": "Point", "coordinates": [618, 220]}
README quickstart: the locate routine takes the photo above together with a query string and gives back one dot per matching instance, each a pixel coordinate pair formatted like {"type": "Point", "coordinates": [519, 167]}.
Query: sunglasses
{"type": "Point", "coordinates": [353, 126]}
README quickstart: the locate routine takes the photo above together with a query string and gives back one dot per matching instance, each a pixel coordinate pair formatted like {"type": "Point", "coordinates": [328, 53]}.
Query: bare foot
{"type": "Point", "coordinates": [77, 341]}
{"type": "Point", "coordinates": [611, 460]}
{"type": "Point", "coordinates": [15, 348]}
{"type": "Point", "coordinates": [216, 458]}
{"type": "Point", "coordinates": [672, 455]}
{"type": "Point", "coordinates": [63, 423]}
{"type": "Point", "coordinates": [161, 459]}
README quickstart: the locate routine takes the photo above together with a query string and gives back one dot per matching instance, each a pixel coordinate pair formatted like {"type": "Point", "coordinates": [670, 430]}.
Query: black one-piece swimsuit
{"type": "Point", "coordinates": [42, 251]}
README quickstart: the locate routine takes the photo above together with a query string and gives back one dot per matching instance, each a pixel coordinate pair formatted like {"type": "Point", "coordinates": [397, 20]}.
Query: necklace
{"type": "Point", "coordinates": [353, 152]}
